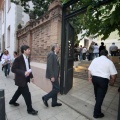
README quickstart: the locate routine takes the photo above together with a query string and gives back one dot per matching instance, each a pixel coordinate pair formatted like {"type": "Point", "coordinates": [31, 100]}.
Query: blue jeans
{"type": "Point", "coordinates": [7, 69]}
{"type": "Point", "coordinates": [95, 55]}
{"type": "Point", "coordinates": [80, 56]}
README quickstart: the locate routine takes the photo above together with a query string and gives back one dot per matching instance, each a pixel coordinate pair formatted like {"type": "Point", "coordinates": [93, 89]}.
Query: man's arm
{"type": "Point", "coordinates": [113, 73]}
{"type": "Point", "coordinates": [50, 63]}
{"type": "Point", "coordinates": [15, 68]}
{"type": "Point", "coordinates": [89, 76]}
{"type": "Point", "coordinates": [113, 79]}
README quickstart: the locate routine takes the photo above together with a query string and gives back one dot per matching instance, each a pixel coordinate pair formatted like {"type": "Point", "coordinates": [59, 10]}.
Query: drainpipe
{"type": "Point", "coordinates": [5, 25]}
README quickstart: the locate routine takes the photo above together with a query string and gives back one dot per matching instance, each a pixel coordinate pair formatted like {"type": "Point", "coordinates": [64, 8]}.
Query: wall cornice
{"type": "Point", "coordinates": [32, 24]}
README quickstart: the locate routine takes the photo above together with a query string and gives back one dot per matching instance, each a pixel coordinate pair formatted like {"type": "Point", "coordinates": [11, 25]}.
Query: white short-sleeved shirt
{"type": "Point", "coordinates": [102, 67]}
{"type": "Point", "coordinates": [96, 49]}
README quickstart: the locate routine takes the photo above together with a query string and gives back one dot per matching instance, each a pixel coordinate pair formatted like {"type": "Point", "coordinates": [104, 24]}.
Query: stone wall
{"type": "Point", "coordinates": [40, 34]}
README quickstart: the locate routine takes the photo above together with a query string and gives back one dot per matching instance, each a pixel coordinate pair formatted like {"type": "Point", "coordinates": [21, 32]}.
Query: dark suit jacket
{"type": "Point", "coordinates": [19, 69]}
{"type": "Point", "coordinates": [53, 66]}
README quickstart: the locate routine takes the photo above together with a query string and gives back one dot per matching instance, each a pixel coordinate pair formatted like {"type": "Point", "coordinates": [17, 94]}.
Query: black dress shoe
{"type": "Point", "coordinates": [45, 102]}
{"type": "Point", "coordinates": [119, 89]}
{"type": "Point", "coordinates": [33, 112]}
{"type": "Point", "coordinates": [14, 103]}
{"type": "Point", "coordinates": [99, 115]}
{"type": "Point", "coordinates": [57, 104]}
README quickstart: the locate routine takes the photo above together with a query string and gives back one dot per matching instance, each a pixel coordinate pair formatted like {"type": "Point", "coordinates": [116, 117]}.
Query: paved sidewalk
{"type": "Point", "coordinates": [20, 113]}
{"type": "Point", "coordinates": [81, 98]}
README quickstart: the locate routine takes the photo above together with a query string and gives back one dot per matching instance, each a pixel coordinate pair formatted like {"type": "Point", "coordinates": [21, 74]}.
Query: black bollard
{"type": "Point", "coordinates": [119, 108]}
{"type": "Point", "coordinates": [2, 105]}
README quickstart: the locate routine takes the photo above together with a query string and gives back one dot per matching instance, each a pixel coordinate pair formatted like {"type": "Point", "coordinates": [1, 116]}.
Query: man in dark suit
{"type": "Point", "coordinates": [23, 73]}
{"type": "Point", "coordinates": [52, 73]}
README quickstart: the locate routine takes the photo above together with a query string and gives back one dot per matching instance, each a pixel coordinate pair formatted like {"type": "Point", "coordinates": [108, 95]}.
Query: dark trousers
{"type": "Point", "coordinates": [100, 89]}
{"type": "Point", "coordinates": [113, 53]}
{"type": "Point", "coordinates": [26, 95]}
{"type": "Point", "coordinates": [84, 56]}
{"type": "Point", "coordinates": [91, 56]}
{"type": "Point", "coordinates": [2, 68]}
{"type": "Point", "coordinates": [53, 93]}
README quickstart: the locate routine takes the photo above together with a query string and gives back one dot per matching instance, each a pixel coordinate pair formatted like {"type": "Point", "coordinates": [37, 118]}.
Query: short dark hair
{"type": "Point", "coordinates": [15, 52]}
{"type": "Point", "coordinates": [104, 52]}
{"type": "Point", "coordinates": [54, 46]}
{"type": "Point", "coordinates": [102, 43]}
{"type": "Point", "coordinates": [24, 47]}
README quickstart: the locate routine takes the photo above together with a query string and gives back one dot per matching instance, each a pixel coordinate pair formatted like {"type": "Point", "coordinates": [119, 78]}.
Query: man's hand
{"type": "Point", "coordinates": [27, 74]}
{"type": "Point", "coordinates": [89, 76]}
{"type": "Point", "coordinates": [59, 75]}
{"type": "Point", "coordinates": [111, 82]}
{"type": "Point", "coordinates": [90, 79]}
{"type": "Point", "coordinates": [112, 79]}
{"type": "Point", "coordinates": [53, 79]}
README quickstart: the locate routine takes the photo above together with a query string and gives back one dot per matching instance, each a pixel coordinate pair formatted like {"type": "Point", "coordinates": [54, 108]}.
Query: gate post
{"type": "Point", "coordinates": [2, 105]}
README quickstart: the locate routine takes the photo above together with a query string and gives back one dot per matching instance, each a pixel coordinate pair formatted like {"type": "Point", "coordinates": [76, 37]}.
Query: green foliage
{"type": "Point", "coordinates": [40, 6]}
{"type": "Point", "coordinates": [99, 20]}
{"type": "Point", "coordinates": [104, 20]}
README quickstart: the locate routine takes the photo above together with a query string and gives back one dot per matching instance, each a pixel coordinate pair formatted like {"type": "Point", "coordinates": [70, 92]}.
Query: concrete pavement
{"type": "Point", "coordinates": [78, 104]}
{"type": "Point", "coordinates": [81, 98]}
{"type": "Point", "coordinates": [20, 113]}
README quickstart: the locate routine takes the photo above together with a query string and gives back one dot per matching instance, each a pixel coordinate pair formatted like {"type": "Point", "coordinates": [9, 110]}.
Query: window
{"type": "Point", "coordinates": [8, 37]}
{"type": "Point", "coordinates": [9, 5]}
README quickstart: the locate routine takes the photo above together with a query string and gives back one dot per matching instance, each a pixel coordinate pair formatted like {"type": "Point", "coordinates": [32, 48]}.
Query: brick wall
{"type": "Point", "coordinates": [40, 34]}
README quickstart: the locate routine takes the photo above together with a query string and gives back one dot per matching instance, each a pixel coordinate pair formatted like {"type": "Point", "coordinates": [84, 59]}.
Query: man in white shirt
{"type": "Point", "coordinates": [113, 49]}
{"type": "Point", "coordinates": [100, 72]}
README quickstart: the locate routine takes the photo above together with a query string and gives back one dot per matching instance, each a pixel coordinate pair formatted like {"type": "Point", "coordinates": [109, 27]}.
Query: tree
{"type": "Point", "coordinates": [98, 20]}
{"type": "Point", "coordinates": [102, 20]}
{"type": "Point", "coordinates": [39, 6]}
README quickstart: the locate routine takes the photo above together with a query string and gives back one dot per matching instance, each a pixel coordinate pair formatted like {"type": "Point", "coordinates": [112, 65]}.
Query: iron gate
{"type": "Point", "coordinates": [66, 79]}
{"type": "Point", "coordinates": [69, 58]}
